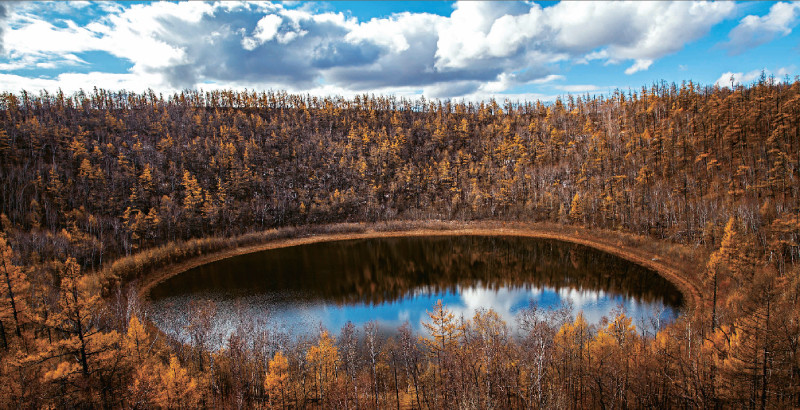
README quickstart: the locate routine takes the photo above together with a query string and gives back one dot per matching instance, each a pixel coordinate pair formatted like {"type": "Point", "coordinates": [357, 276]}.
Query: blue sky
{"type": "Point", "coordinates": [460, 50]}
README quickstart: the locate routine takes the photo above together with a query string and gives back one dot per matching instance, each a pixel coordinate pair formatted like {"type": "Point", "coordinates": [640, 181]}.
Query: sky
{"type": "Point", "coordinates": [445, 50]}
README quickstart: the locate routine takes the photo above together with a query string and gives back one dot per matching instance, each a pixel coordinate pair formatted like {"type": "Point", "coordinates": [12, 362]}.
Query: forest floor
{"type": "Point", "coordinates": [679, 264]}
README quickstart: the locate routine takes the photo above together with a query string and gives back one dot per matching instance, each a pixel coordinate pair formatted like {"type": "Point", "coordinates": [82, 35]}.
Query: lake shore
{"type": "Point", "coordinates": [676, 263]}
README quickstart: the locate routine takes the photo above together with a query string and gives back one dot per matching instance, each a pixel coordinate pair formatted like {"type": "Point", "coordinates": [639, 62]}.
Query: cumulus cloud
{"type": "Point", "coordinates": [266, 30]}
{"type": "Point", "coordinates": [480, 33]}
{"type": "Point", "coordinates": [639, 65]}
{"type": "Point", "coordinates": [36, 42]}
{"type": "Point", "coordinates": [3, 17]}
{"type": "Point", "coordinates": [409, 62]}
{"type": "Point", "coordinates": [642, 32]}
{"type": "Point", "coordinates": [753, 31]}
{"type": "Point", "coordinates": [749, 77]}
{"type": "Point", "coordinates": [728, 78]}
{"type": "Point", "coordinates": [482, 48]}
{"type": "Point", "coordinates": [70, 82]}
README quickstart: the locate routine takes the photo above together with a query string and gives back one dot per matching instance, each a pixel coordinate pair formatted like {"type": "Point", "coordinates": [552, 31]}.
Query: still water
{"type": "Point", "coordinates": [393, 280]}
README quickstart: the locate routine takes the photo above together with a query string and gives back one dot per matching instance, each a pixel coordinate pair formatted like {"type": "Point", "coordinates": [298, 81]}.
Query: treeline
{"type": "Point", "coordinates": [88, 178]}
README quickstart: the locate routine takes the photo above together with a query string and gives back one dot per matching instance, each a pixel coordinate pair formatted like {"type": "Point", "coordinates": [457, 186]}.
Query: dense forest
{"type": "Point", "coordinates": [93, 178]}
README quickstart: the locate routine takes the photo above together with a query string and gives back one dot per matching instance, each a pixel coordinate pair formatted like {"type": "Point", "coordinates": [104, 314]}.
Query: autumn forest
{"type": "Point", "coordinates": [100, 189]}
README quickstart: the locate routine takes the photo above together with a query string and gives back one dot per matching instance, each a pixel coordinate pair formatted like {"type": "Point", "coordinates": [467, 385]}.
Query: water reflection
{"type": "Point", "coordinates": [393, 280]}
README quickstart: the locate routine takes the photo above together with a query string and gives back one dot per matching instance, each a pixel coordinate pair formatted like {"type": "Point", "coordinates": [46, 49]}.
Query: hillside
{"type": "Point", "coordinates": [90, 178]}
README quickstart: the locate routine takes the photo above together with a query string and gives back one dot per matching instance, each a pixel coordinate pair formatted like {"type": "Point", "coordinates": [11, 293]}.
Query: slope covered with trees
{"type": "Point", "coordinates": [89, 178]}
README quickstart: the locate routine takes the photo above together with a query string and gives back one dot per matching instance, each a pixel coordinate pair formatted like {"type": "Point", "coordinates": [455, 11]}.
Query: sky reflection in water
{"type": "Point", "coordinates": [393, 280]}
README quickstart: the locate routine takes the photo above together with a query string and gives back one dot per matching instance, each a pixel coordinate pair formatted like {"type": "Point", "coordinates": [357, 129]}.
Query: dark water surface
{"type": "Point", "coordinates": [393, 280]}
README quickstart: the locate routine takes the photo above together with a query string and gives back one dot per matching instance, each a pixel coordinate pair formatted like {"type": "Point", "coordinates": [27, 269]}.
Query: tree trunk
{"type": "Point", "coordinates": [764, 364]}
{"type": "Point", "coordinates": [3, 336]}
{"type": "Point", "coordinates": [396, 388]}
{"type": "Point", "coordinates": [12, 301]}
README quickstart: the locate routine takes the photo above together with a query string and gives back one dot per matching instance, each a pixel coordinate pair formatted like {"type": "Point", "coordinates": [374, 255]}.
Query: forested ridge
{"type": "Point", "coordinates": [90, 178]}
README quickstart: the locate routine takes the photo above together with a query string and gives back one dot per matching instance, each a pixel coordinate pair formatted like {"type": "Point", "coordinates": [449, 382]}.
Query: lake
{"type": "Point", "coordinates": [297, 289]}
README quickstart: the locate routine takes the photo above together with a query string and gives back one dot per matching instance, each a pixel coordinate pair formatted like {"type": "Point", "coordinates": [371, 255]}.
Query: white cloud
{"type": "Point", "coordinates": [753, 31]}
{"type": "Point", "coordinates": [786, 71]}
{"type": "Point", "coordinates": [147, 34]}
{"type": "Point", "coordinates": [639, 31]}
{"type": "Point", "coordinates": [481, 95]}
{"type": "Point", "coordinates": [481, 30]}
{"type": "Point", "coordinates": [37, 37]}
{"type": "Point", "coordinates": [71, 82]}
{"type": "Point", "coordinates": [393, 33]}
{"type": "Point", "coordinates": [548, 79]}
{"type": "Point", "coordinates": [109, 6]}
{"type": "Point", "coordinates": [578, 88]}
{"type": "Point", "coordinates": [639, 65]}
{"type": "Point", "coordinates": [482, 49]}
{"type": "Point", "coordinates": [750, 77]}
{"type": "Point", "coordinates": [739, 78]}
{"type": "Point", "coordinates": [266, 29]}
{"type": "Point", "coordinates": [594, 55]}
{"type": "Point", "coordinates": [611, 31]}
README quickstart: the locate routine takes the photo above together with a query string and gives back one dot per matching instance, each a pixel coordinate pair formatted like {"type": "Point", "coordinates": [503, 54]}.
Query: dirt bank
{"type": "Point", "coordinates": [666, 266]}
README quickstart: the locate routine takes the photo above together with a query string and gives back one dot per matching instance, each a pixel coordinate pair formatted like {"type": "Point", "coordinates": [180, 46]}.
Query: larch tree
{"type": "Point", "coordinates": [445, 333]}
{"type": "Point", "coordinates": [276, 382]}
{"type": "Point", "coordinates": [572, 355]}
{"type": "Point", "coordinates": [177, 388]}
{"type": "Point", "coordinates": [83, 355]}
{"type": "Point", "coordinates": [491, 345]}
{"type": "Point", "coordinates": [719, 264]}
{"type": "Point", "coordinates": [192, 199]}
{"type": "Point", "coordinates": [14, 285]}
{"type": "Point", "coordinates": [139, 351]}
{"type": "Point", "coordinates": [324, 358]}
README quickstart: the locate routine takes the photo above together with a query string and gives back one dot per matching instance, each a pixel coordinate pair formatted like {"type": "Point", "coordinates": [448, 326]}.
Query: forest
{"type": "Point", "coordinates": [91, 180]}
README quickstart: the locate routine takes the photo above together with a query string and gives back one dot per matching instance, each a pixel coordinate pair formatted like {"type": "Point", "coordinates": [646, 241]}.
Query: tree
{"type": "Point", "coordinates": [200, 327]}
{"type": "Point", "coordinates": [14, 285]}
{"type": "Point", "coordinates": [490, 342]}
{"type": "Point", "coordinates": [324, 358]}
{"type": "Point", "coordinates": [84, 355]}
{"type": "Point", "coordinates": [577, 210]}
{"type": "Point", "coordinates": [731, 268]}
{"type": "Point", "coordinates": [348, 343]}
{"type": "Point", "coordinates": [177, 388]}
{"type": "Point", "coordinates": [192, 198]}
{"type": "Point", "coordinates": [445, 332]}
{"type": "Point", "coordinates": [717, 263]}
{"type": "Point", "coordinates": [538, 334]}
{"type": "Point", "coordinates": [371, 336]}
{"type": "Point", "coordinates": [610, 354]}
{"type": "Point", "coordinates": [146, 369]}
{"type": "Point", "coordinates": [277, 380]}
{"type": "Point", "coordinates": [572, 353]}
{"type": "Point", "coordinates": [411, 357]}
{"type": "Point", "coordinates": [444, 329]}
{"type": "Point", "coordinates": [136, 342]}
